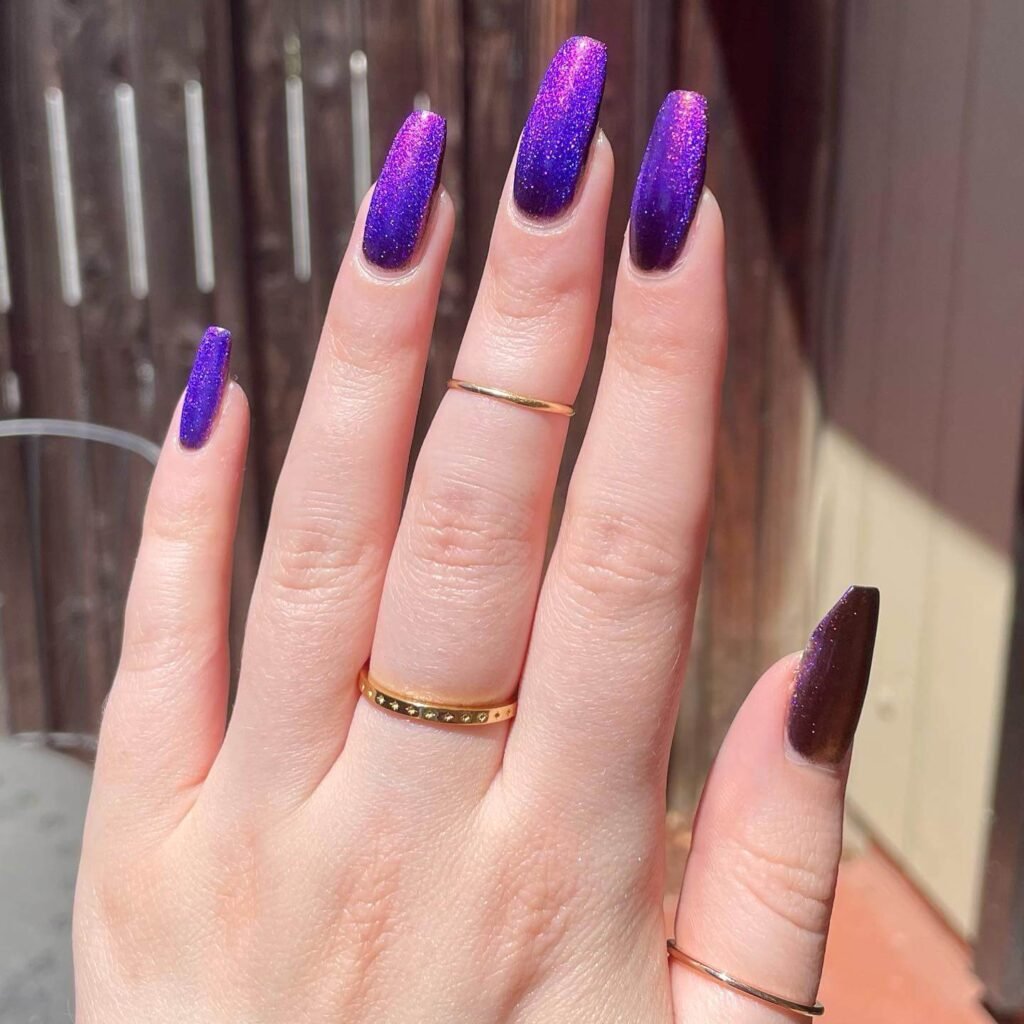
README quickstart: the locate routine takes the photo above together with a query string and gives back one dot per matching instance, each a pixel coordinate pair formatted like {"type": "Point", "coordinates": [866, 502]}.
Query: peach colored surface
{"type": "Point", "coordinates": [891, 959]}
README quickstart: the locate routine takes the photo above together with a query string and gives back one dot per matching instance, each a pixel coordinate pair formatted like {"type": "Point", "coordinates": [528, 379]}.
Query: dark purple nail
{"type": "Point", "coordinates": [561, 125]}
{"type": "Point", "coordinates": [671, 178]}
{"type": "Point", "coordinates": [405, 189]}
{"type": "Point", "coordinates": [205, 388]}
{"type": "Point", "coordinates": [833, 678]}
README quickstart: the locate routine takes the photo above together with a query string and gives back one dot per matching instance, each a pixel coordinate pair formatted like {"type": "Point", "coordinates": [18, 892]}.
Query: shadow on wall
{"type": "Point", "coordinates": [916, 345]}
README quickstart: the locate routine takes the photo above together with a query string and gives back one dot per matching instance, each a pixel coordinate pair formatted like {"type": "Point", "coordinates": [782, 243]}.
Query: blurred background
{"type": "Point", "coordinates": [168, 165]}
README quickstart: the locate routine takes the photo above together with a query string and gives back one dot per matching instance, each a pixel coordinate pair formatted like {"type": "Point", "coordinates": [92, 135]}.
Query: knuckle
{"type": "Point", "coordinates": [653, 349]}
{"type": "Point", "coordinates": [160, 642]}
{"type": "Point", "coordinates": [540, 891]}
{"type": "Point", "coordinates": [789, 881]}
{"type": "Point", "coordinates": [177, 516]}
{"type": "Point", "coordinates": [527, 303]}
{"type": "Point", "coordinates": [319, 556]}
{"type": "Point", "coordinates": [616, 563]}
{"type": "Point", "coordinates": [355, 371]}
{"type": "Point", "coordinates": [470, 529]}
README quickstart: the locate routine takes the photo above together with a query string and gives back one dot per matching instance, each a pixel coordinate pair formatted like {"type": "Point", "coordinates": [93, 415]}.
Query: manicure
{"type": "Point", "coordinates": [556, 140]}
{"type": "Point", "coordinates": [405, 191]}
{"type": "Point", "coordinates": [833, 678]}
{"type": "Point", "coordinates": [205, 388]}
{"type": "Point", "coordinates": [670, 182]}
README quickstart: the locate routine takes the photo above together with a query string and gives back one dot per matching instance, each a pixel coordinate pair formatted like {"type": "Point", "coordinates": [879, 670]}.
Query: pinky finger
{"type": "Point", "coordinates": [757, 896]}
{"type": "Point", "coordinates": [165, 717]}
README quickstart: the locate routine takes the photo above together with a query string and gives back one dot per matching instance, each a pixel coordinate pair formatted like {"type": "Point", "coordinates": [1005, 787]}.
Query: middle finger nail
{"type": "Point", "coordinates": [556, 140]}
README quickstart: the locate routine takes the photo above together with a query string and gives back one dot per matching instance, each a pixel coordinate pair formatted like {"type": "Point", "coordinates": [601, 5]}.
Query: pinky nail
{"type": "Point", "coordinates": [205, 388]}
{"type": "Point", "coordinates": [561, 125]}
{"type": "Point", "coordinates": [832, 679]}
{"type": "Point", "coordinates": [405, 190]}
{"type": "Point", "coordinates": [670, 182]}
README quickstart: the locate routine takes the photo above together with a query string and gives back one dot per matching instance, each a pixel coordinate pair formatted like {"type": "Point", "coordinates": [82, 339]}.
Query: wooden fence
{"type": "Point", "coordinates": [112, 277]}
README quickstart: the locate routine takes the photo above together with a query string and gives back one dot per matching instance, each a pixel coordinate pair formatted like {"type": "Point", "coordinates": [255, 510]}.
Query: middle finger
{"type": "Point", "coordinates": [461, 585]}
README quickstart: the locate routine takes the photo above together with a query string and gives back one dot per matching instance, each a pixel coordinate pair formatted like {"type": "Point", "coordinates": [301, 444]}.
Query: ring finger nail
{"type": "Point", "coordinates": [670, 182]}
{"type": "Point", "coordinates": [833, 678]}
{"type": "Point", "coordinates": [561, 125]}
{"type": "Point", "coordinates": [405, 190]}
{"type": "Point", "coordinates": [205, 388]}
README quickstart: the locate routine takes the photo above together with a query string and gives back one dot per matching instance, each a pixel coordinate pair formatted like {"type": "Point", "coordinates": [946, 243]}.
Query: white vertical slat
{"type": "Point", "coordinates": [298, 177]}
{"type": "Point", "coordinates": [361, 172]}
{"type": "Point", "coordinates": [131, 188]}
{"type": "Point", "coordinates": [63, 198]}
{"type": "Point", "coordinates": [5, 274]}
{"type": "Point", "coordinates": [199, 183]}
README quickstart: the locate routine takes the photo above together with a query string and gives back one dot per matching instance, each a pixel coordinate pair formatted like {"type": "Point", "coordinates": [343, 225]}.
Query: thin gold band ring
{"type": "Point", "coordinates": [537, 404]}
{"type": "Point", "coordinates": [806, 1009]}
{"type": "Point", "coordinates": [427, 711]}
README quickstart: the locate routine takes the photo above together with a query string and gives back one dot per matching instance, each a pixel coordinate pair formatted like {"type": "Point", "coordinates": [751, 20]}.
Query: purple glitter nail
{"type": "Point", "coordinates": [205, 388]}
{"type": "Point", "coordinates": [670, 182]}
{"type": "Point", "coordinates": [405, 189]}
{"type": "Point", "coordinates": [559, 130]}
{"type": "Point", "coordinates": [833, 679]}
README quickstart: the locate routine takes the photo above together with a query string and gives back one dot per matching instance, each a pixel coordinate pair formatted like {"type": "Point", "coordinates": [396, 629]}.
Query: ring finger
{"type": "Point", "coordinates": [464, 572]}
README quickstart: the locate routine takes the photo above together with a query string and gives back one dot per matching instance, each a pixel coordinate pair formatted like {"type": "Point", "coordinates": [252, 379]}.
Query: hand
{"type": "Point", "coordinates": [328, 860]}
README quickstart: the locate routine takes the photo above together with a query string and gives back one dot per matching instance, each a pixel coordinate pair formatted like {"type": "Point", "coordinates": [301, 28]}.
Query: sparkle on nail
{"type": "Point", "coordinates": [560, 127]}
{"type": "Point", "coordinates": [670, 182]}
{"type": "Point", "coordinates": [405, 190]}
{"type": "Point", "coordinates": [206, 384]}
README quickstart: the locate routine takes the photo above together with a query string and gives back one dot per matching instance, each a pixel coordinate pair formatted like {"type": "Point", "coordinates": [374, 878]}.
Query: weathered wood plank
{"type": "Point", "coordinates": [22, 696]}
{"type": "Point", "coordinates": [498, 94]}
{"type": "Point", "coordinates": [93, 56]}
{"type": "Point", "coordinates": [443, 62]}
{"type": "Point", "coordinates": [767, 71]}
{"type": "Point", "coordinates": [51, 371]}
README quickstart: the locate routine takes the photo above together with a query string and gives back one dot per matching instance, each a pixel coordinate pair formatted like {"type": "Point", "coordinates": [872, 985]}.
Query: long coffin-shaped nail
{"type": "Point", "coordinates": [670, 182]}
{"type": "Point", "coordinates": [205, 388]}
{"type": "Point", "coordinates": [556, 140]}
{"type": "Point", "coordinates": [833, 678]}
{"type": "Point", "coordinates": [405, 191]}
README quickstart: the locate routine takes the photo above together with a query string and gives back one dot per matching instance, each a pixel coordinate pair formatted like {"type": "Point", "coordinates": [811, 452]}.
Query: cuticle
{"type": "Point", "coordinates": [827, 767]}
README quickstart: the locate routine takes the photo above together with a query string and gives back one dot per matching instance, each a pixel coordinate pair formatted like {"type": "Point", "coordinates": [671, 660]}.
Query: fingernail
{"type": "Point", "coordinates": [405, 190]}
{"type": "Point", "coordinates": [556, 139]}
{"type": "Point", "coordinates": [670, 182]}
{"type": "Point", "coordinates": [833, 678]}
{"type": "Point", "coordinates": [205, 388]}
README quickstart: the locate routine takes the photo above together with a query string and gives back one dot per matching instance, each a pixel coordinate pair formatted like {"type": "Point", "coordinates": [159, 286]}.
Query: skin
{"type": "Point", "coordinates": [325, 861]}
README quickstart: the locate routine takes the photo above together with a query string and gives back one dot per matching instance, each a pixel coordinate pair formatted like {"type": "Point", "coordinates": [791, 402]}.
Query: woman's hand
{"type": "Point", "coordinates": [328, 860]}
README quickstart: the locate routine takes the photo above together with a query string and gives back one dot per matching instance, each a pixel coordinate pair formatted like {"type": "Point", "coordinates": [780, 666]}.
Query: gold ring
{"type": "Point", "coordinates": [537, 404]}
{"type": "Point", "coordinates": [807, 1009]}
{"type": "Point", "coordinates": [440, 714]}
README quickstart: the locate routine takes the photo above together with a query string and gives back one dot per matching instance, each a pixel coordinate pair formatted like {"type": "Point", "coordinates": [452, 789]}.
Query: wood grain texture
{"type": "Point", "coordinates": [51, 372]}
{"type": "Point", "coordinates": [23, 702]}
{"type": "Point", "coordinates": [442, 62]}
{"type": "Point", "coordinates": [768, 71]}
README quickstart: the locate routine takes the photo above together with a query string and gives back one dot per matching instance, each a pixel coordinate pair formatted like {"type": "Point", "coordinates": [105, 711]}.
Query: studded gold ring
{"type": "Point", "coordinates": [511, 397]}
{"type": "Point", "coordinates": [424, 711]}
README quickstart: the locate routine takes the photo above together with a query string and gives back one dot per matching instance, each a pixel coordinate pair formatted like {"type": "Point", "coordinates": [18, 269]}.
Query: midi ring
{"type": "Point", "coordinates": [423, 711]}
{"type": "Point", "coordinates": [806, 1009]}
{"type": "Point", "coordinates": [537, 404]}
